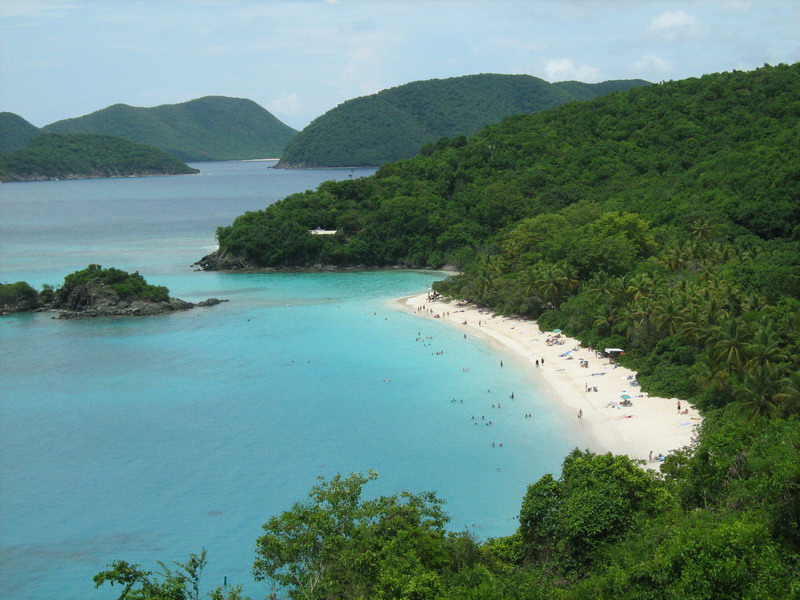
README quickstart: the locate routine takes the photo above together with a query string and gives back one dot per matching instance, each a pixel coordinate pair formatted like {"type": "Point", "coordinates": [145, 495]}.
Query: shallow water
{"type": "Point", "coordinates": [147, 439]}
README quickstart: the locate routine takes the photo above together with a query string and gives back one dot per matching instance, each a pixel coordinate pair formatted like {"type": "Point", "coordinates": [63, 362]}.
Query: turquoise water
{"type": "Point", "coordinates": [147, 439]}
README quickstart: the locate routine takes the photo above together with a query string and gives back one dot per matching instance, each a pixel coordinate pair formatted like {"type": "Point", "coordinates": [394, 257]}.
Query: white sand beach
{"type": "Point", "coordinates": [581, 380]}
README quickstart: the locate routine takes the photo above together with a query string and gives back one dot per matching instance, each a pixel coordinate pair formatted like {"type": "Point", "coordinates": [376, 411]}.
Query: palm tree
{"type": "Point", "coordinates": [702, 228]}
{"type": "Point", "coordinates": [789, 394]}
{"type": "Point", "coordinates": [667, 314]}
{"type": "Point", "coordinates": [488, 269]}
{"type": "Point", "coordinates": [709, 375]}
{"type": "Point", "coordinates": [727, 344]}
{"type": "Point", "coordinates": [764, 347]}
{"type": "Point", "coordinates": [757, 396]}
{"type": "Point", "coordinates": [552, 281]}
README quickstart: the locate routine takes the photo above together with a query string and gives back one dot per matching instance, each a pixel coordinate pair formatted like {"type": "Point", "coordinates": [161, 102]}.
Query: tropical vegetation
{"type": "Point", "coordinates": [395, 123]}
{"type": "Point", "coordinates": [80, 156]}
{"type": "Point", "coordinates": [15, 132]}
{"type": "Point", "coordinates": [664, 219]}
{"type": "Point", "coordinates": [209, 128]}
{"type": "Point", "coordinates": [81, 289]}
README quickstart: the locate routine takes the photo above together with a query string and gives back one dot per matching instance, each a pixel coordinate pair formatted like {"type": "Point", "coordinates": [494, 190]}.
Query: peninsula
{"type": "Point", "coordinates": [86, 156]}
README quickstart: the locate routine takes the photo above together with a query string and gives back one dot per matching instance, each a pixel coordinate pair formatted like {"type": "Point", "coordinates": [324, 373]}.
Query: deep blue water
{"type": "Point", "coordinates": [148, 439]}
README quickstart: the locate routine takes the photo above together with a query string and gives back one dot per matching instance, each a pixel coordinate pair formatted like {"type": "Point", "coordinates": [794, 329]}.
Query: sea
{"type": "Point", "coordinates": [147, 439]}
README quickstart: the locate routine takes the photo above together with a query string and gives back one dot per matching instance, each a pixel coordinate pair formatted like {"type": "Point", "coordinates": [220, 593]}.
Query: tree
{"type": "Point", "coordinates": [596, 501]}
{"type": "Point", "coordinates": [337, 545]}
{"type": "Point", "coordinates": [182, 583]}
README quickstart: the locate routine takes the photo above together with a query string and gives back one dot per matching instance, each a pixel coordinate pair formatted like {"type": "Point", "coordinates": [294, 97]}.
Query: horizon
{"type": "Point", "coordinates": [298, 59]}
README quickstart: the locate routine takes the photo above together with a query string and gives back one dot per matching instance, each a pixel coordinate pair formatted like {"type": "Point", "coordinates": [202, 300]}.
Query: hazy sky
{"type": "Point", "coordinates": [300, 58]}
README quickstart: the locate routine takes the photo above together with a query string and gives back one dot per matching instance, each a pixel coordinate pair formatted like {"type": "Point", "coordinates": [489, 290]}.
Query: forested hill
{"type": "Point", "coordinates": [664, 220]}
{"type": "Point", "coordinates": [209, 128]}
{"type": "Point", "coordinates": [81, 156]}
{"type": "Point", "coordinates": [584, 215]}
{"type": "Point", "coordinates": [15, 132]}
{"type": "Point", "coordinates": [395, 123]}
{"type": "Point", "coordinates": [721, 149]}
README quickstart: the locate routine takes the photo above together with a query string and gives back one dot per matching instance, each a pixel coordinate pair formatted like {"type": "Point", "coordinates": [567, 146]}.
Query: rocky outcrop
{"type": "Point", "coordinates": [223, 261]}
{"type": "Point", "coordinates": [88, 294]}
{"type": "Point", "coordinates": [101, 301]}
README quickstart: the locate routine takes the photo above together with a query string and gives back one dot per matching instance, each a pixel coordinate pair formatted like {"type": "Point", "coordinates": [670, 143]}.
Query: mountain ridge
{"type": "Point", "coordinates": [15, 131]}
{"type": "Point", "coordinates": [397, 122]}
{"type": "Point", "coordinates": [204, 129]}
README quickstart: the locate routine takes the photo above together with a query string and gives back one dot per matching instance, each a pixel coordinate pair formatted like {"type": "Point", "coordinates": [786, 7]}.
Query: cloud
{"type": "Point", "coordinates": [674, 24]}
{"type": "Point", "coordinates": [651, 63]}
{"type": "Point", "coordinates": [288, 104]}
{"type": "Point", "coordinates": [563, 69]}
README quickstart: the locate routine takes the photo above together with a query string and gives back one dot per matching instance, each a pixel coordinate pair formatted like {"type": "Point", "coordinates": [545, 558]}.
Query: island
{"type": "Point", "coordinates": [96, 292]}
{"type": "Point", "coordinates": [86, 156]}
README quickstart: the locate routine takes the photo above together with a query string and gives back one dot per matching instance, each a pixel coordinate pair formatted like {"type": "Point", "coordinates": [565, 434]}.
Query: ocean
{"type": "Point", "coordinates": [145, 439]}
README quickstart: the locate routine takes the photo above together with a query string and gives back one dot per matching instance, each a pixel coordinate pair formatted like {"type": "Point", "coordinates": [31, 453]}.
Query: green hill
{"type": "Point", "coordinates": [210, 128]}
{"type": "Point", "coordinates": [87, 155]}
{"type": "Point", "coordinates": [15, 132]}
{"type": "Point", "coordinates": [721, 147]}
{"type": "Point", "coordinates": [663, 220]}
{"type": "Point", "coordinates": [397, 122]}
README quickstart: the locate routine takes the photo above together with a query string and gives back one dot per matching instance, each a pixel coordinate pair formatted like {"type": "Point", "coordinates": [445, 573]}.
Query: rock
{"type": "Point", "coordinates": [210, 302]}
{"type": "Point", "coordinates": [222, 261]}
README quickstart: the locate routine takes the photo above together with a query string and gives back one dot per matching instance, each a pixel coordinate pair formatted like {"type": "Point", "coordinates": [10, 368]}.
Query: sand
{"type": "Point", "coordinates": [649, 427]}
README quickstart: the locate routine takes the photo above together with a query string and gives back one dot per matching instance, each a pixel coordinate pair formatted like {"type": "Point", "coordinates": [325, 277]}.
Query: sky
{"type": "Point", "coordinates": [300, 58]}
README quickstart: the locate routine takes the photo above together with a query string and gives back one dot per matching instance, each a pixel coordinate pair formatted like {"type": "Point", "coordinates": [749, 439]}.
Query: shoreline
{"type": "Point", "coordinates": [592, 393]}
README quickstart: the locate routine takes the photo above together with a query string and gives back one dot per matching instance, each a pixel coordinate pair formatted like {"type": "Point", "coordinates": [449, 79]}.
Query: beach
{"type": "Point", "coordinates": [609, 407]}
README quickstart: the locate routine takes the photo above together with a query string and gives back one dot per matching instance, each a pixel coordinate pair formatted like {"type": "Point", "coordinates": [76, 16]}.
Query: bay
{"type": "Point", "coordinates": [148, 439]}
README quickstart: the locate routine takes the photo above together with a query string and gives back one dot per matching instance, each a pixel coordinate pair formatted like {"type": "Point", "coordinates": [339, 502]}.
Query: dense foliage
{"type": "Point", "coordinates": [123, 284]}
{"type": "Point", "coordinates": [395, 123]}
{"type": "Point", "coordinates": [665, 220]}
{"type": "Point", "coordinates": [18, 296]}
{"type": "Point", "coordinates": [605, 528]}
{"type": "Point", "coordinates": [55, 156]}
{"type": "Point", "coordinates": [15, 132]}
{"type": "Point", "coordinates": [209, 128]}
{"type": "Point", "coordinates": [80, 289]}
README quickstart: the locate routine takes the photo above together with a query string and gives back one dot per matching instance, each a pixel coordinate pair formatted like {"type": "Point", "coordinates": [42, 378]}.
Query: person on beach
{"type": "Point", "coordinates": [580, 413]}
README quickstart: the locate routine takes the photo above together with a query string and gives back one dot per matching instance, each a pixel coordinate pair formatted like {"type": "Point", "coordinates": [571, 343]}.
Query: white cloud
{"type": "Point", "coordinates": [651, 63]}
{"type": "Point", "coordinates": [288, 104]}
{"type": "Point", "coordinates": [674, 24]}
{"type": "Point", "coordinates": [563, 69]}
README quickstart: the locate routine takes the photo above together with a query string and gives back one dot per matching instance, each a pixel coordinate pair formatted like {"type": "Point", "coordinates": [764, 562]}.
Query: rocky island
{"type": "Point", "coordinates": [96, 292]}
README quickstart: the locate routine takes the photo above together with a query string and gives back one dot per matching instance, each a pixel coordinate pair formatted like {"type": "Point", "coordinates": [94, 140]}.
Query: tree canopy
{"type": "Point", "coordinates": [664, 219]}
{"type": "Point", "coordinates": [395, 123]}
{"type": "Point", "coordinates": [209, 128]}
{"type": "Point", "coordinates": [15, 132]}
{"type": "Point", "coordinates": [78, 156]}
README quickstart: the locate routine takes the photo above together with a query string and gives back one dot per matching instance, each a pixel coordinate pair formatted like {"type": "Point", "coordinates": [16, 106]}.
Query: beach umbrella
{"type": "Point", "coordinates": [556, 331]}
{"type": "Point", "coordinates": [625, 397]}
